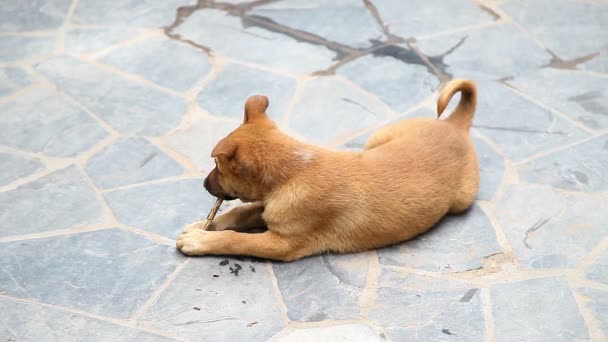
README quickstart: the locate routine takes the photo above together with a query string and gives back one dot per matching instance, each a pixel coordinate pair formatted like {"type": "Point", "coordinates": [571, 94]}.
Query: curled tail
{"type": "Point", "coordinates": [462, 116]}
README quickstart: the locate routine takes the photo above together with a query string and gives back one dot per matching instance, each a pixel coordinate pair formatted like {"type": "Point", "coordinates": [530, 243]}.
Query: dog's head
{"type": "Point", "coordinates": [246, 160]}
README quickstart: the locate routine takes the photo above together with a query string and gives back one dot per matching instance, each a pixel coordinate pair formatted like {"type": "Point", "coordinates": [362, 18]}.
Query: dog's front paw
{"type": "Point", "coordinates": [193, 241]}
{"type": "Point", "coordinates": [199, 242]}
{"type": "Point", "coordinates": [194, 226]}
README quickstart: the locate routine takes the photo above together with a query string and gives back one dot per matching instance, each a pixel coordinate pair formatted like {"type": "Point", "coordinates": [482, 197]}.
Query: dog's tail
{"type": "Point", "coordinates": [462, 116]}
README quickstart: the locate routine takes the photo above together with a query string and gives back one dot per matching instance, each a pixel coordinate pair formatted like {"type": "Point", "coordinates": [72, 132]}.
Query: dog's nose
{"type": "Point", "coordinates": [206, 184]}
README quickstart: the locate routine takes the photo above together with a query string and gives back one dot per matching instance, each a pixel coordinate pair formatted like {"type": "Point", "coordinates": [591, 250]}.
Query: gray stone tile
{"type": "Point", "coordinates": [432, 311]}
{"type": "Point", "coordinates": [197, 141]}
{"type": "Point", "coordinates": [60, 200]}
{"type": "Point", "coordinates": [85, 41]}
{"type": "Point", "coordinates": [130, 160]}
{"type": "Point", "coordinates": [226, 94]}
{"type": "Point", "coordinates": [491, 170]}
{"type": "Point", "coordinates": [144, 13]}
{"type": "Point", "coordinates": [15, 166]}
{"type": "Point", "coordinates": [356, 332]}
{"type": "Point", "coordinates": [126, 105]}
{"type": "Point", "coordinates": [458, 243]}
{"type": "Point", "coordinates": [322, 287]}
{"type": "Point", "coordinates": [345, 22]}
{"type": "Point", "coordinates": [14, 48]}
{"type": "Point", "coordinates": [581, 167]}
{"type": "Point", "coordinates": [581, 96]}
{"type": "Point", "coordinates": [329, 109]}
{"type": "Point", "coordinates": [569, 28]}
{"type": "Point", "coordinates": [163, 208]}
{"type": "Point", "coordinates": [551, 229]}
{"type": "Point", "coordinates": [597, 64]}
{"type": "Point", "coordinates": [519, 127]}
{"type": "Point", "coordinates": [596, 301]}
{"type": "Point", "coordinates": [108, 272]}
{"type": "Point", "coordinates": [45, 121]}
{"type": "Point", "coordinates": [31, 322]}
{"type": "Point", "coordinates": [390, 78]}
{"type": "Point", "coordinates": [537, 310]}
{"type": "Point", "coordinates": [483, 54]}
{"type": "Point", "coordinates": [13, 79]}
{"type": "Point", "coordinates": [404, 280]}
{"type": "Point", "coordinates": [219, 299]}
{"type": "Point", "coordinates": [407, 19]}
{"type": "Point", "coordinates": [599, 270]}
{"type": "Point", "coordinates": [164, 61]}
{"type": "Point", "coordinates": [226, 35]}
{"type": "Point", "coordinates": [36, 15]}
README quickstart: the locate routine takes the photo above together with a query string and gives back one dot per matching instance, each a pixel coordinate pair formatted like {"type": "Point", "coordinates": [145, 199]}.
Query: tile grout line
{"type": "Point", "coordinates": [488, 314]}
{"type": "Point", "coordinates": [551, 151]}
{"type": "Point", "coordinates": [190, 168]}
{"type": "Point", "coordinates": [369, 293]}
{"type": "Point", "coordinates": [549, 108]}
{"type": "Point", "coordinates": [140, 37]}
{"type": "Point", "coordinates": [60, 33]}
{"type": "Point", "coordinates": [153, 299]}
{"type": "Point", "coordinates": [98, 317]}
{"type": "Point", "coordinates": [58, 232]}
{"type": "Point", "coordinates": [127, 76]}
{"type": "Point", "coordinates": [277, 293]}
{"type": "Point", "coordinates": [591, 323]}
{"type": "Point", "coordinates": [461, 30]}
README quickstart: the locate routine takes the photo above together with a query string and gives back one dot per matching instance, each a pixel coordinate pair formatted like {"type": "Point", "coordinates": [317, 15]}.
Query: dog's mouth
{"type": "Point", "coordinates": [217, 192]}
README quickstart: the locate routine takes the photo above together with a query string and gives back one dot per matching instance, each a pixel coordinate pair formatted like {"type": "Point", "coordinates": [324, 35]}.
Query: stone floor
{"type": "Point", "coordinates": [109, 109]}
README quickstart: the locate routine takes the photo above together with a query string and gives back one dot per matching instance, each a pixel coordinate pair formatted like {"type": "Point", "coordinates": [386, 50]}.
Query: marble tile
{"type": "Point", "coordinates": [87, 41]}
{"type": "Point", "coordinates": [599, 269]}
{"type": "Point", "coordinates": [343, 21]}
{"type": "Point", "coordinates": [491, 170]}
{"type": "Point", "coordinates": [322, 287]}
{"type": "Point", "coordinates": [409, 19]}
{"type": "Point", "coordinates": [596, 301]}
{"type": "Point", "coordinates": [583, 167]}
{"type": "Point", "coordinates": [13, 79]}
{"type": "Point", "coordinates": [143, 13]}
{"type": "Point", "coordinates": [198, 140]}
{"type": "Point", "coordinates": [44, 121]}
{"type": "Point", "coordinates": [128, 106]}
{"type": "Point", "coordinates": [15, 48]}
{"type": "Point", "coordinates": [517, 126]}
{"type": "Point", "coordinates": [226, 35]}
{"type": "Point", "coordinates": [537, 310]}
{"type": "Point", "coordinates": [226, 94]}
{"type": "Point", "coordinates": [396, 75]}
{"type": "Point", "coordinates": [228, 299]}
{"type": "Point", "coordinates": [457, 243]}
{"type": "Point", "coordinates": [130, 160]}
{"type": "Point", "coordinates": [582, 97]}
{"type": "Point", "coordinates": [329, 109]}
{"type": "Point", "coordinates": [108, 272]}
{"type": "Point", "coordinates": [32, 322]}
{"type": "Point", "coordinates": [598, 64]}
{"type": "Point", "coordinates": [434, 311]}
{"type": "Point", "coordinates": [162, 208]}
{"type": "Point", "coordinates": [551, 229]}
{"type": "Point", "coordinates": [35, 15]}
{"type": "Point", "coordinates": [483, 54]}
{"type": "Point", "coordinates": [164, 61]}
{"type": "Point", "coordinates": [571, 29]}
{"type": "Point", "coordinates": [59, 200]}
{"type": "Point", "coordinates": [356, 332]}
{"type": "Point", "coordinates": [16, 166]}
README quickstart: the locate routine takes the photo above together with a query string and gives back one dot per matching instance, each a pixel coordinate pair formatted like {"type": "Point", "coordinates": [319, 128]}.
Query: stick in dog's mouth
{"type": "Point", "coordinates": [212, 213]}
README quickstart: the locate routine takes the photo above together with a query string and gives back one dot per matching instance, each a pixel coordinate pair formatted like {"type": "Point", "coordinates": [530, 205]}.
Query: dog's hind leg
{"type": "Point", "coordinates": [384, 135]}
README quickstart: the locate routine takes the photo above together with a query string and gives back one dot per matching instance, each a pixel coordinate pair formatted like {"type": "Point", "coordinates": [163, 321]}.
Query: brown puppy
{"type": "Point", "coordinates": [314, 200]}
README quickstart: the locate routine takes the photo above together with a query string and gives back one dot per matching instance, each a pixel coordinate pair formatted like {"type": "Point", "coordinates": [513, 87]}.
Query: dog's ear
{"type": "Point", "coordinates": [225, 148]}
{"type": "Point", "coordinates": [255, 108]}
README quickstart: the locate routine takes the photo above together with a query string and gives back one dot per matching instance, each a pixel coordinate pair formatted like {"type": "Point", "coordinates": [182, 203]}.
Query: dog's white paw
{"type": "Point", "coordinates": [195, 242]}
